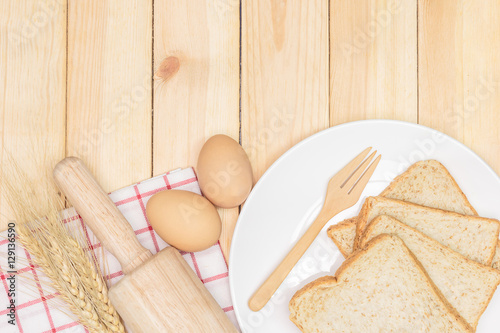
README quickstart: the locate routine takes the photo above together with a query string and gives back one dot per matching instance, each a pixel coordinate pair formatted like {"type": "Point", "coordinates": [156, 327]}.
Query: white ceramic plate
{"type": "Point", "coordinates": [289, 196]}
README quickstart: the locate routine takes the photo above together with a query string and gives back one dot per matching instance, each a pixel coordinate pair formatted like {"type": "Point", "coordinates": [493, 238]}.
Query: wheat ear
{"type": "Point", "coordinates": [41, 230]}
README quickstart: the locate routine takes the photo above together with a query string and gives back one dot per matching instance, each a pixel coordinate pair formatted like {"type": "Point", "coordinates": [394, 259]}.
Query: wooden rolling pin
{"type": "Point", "coordinates": [159, 293]}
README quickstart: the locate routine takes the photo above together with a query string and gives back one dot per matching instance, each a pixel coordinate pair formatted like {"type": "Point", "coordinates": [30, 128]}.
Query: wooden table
{"type": "Point", "coordinates": [135, 89]}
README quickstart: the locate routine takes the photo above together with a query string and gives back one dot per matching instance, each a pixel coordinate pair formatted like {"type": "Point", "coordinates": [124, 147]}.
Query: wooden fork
{"type": "Point", "coordinates": [344, 190]}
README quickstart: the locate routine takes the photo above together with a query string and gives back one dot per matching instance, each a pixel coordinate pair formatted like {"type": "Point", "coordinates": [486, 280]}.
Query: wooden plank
{"type": "Point", "coordinates": [284, 88]}
{"type": "Point", "coordinates": [373, 60]}
{"type": "Point", "coordinates": [109, 88]}
{"type": "Point", "coordinates": [196, 90]}
{"type": "Point", "coordinates": [459, 72]}
{"type": "Point", "coordinates": [32, 85]}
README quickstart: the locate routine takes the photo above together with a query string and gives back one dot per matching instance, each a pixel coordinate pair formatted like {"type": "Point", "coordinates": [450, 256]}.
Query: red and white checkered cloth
{"type": "Point", "coordinates": [35, 310]}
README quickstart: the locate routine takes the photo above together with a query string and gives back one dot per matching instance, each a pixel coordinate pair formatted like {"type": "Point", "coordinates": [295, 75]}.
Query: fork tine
{"type": "Point", "coordinates": [349, 183]}
{"type": "Point", "coordinates": [349, 168]}
{"type": "Point", "coordinates": [360, 185]}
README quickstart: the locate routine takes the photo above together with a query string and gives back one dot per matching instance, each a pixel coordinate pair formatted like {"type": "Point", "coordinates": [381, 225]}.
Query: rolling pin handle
{"type": "Point", "coordinates": [100, 213]}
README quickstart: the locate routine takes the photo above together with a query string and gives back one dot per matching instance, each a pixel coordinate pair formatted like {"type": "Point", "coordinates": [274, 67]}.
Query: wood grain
{"type": "Point", "coordinates": [459, 72]}
{"type": "Point", "coordinates": [373, 60]}
{"type": "Point", "coordinates": [196, 89]}
{"type": "Point", "coordinates": [284, 73]}
{"type": "Point", "coordinates": [109, 88]}
{"type": "Point", "coordinates": [290, 86]}
{"type": "Point", "coordinates": [32, 86]}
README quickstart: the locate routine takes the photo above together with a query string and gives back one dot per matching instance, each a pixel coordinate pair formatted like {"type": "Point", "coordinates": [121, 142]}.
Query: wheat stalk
{"type": "Point", "coordinates": [73, 274]}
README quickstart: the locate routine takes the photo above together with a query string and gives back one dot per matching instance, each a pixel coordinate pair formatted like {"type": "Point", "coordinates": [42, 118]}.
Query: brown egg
{"type": "Point", "coordinates": [224, 172]}
{"type": "Point", "coordinates": [184, 219]}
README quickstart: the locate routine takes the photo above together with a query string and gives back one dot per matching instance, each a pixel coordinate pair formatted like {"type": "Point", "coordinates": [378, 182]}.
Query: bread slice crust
{"type": "Point", "coordinates": [343, 234]}
{"type": "Point", "coordinates": [462, 206]}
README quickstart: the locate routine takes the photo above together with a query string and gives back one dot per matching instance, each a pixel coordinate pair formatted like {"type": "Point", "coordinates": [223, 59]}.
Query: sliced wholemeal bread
{"type": "Point", "coordinates": [472, 236]}
{"type": "Point", "coordinates": [343, 234]}
{"type": "Point", "coordinates": [496, 258]}
{"type": "Point", "coordinates": [427, 183]}
{"type": "Point", "coordinates": [381, 288]}
{"type": "Point", "coordinates": [467, 285]}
